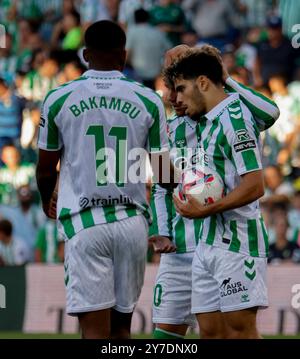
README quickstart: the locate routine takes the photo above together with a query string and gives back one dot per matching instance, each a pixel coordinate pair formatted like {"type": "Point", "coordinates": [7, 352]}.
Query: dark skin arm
{"type": "Point", "coordinates": [164, 171]}
{"type": "Point", "coordinates": [249, 190]}
{"type": "Point", "coordinates": [46, 176]}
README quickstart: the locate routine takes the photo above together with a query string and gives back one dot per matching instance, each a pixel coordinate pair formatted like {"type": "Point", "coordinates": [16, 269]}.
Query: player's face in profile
{"type": "Point", "coordinates": [189, 95]}
{"type": "Point", "coordinates": [171, 96]}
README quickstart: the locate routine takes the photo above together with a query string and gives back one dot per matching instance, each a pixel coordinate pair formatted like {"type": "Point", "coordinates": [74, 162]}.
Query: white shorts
{"type": "Point", "coordinates": [105, 265]}
{"type": "Point", "coordinates": [173, 290]}
{"type": "Point", "coordinates": [226, 281]}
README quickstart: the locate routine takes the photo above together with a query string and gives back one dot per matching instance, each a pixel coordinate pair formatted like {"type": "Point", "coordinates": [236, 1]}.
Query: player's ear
{"type": "Point", "coordinates": [123, 58]}
{"type": "Point", "coordinates": [202, 83]}
{"type": "Point", "coordinates": [86, 55]}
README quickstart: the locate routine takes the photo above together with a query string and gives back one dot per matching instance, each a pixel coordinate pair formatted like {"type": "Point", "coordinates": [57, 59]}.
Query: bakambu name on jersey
{"type": "Point", "coordinates": [103, 102]}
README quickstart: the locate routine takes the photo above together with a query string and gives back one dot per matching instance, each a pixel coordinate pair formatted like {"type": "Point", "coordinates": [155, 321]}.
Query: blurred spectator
{"type": "Point", "coordinates": [38, 83]}
{"type": "Point", "coordinates": [245, 53]}
{"type": "Point", "coordinates": [294, 212]}
{"type": "Point", "coordinates": [283, 249]}
{"type": "Point", "coordinates": [52, 11]}
{"type": "Point", "coordinates": [276, 189]}
{"type": "Point", "coordinates": [275, 55]}
{"type": "Point", "coordinates": [13, 175]}
{"type": "Point", "coordinates": [71, 71]}
{"type": "Point", "coordinates": [8, 61]}
{"type": "Point", "coordinates": [13, 251]}
{"type": "Point", "coordinates": [11, 107]}
{"type": "Point", "coordinates": [29, 134]}
{"type": "Point", "coordinates": [289, 11]}
{"type": "Point", "coordinates": [146, 46]}
{"type": "Point", "coordinates": [113, 8]}
{"type": "Point", "coordinates": [170, 18]}
{"type": "Point", "coordinates": [190, 38]}
{"type": "Point", "coordinates": [27, 218]}
{"type": "Point", "coordinates": [73, 32]}
{"type": "Point", "coordinates": [92, 11]}
{"type": "Point", "coordinates": [28, 39]}
{"type": "Point", "coordinates": [212, 19]}
{"type": "Point", "coordinates": [285, 124]}
{"type": "Point", "coordinates": [127, 9]}
{"type": "Point", "coordinates": [255, 12]}
{"type": "Point", "coordinates": [49, 247]}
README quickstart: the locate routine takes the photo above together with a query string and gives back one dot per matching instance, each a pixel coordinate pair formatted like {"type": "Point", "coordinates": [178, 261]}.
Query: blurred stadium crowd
{"type": "Point", "coordinates": [43, 49]}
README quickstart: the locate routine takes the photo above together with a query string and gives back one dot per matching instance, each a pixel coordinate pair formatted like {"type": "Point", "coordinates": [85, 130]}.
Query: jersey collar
{"type": "Point", "coordinates": [103, 74]}
{"type": "Point", "coordinates": [217, 110]}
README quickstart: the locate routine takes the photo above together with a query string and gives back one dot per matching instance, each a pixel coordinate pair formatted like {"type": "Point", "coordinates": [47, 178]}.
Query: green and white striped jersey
{"type": "Point", "coordinates": [166, 221]}
{"type": "Point", "coordinates": [101, 122]}
{"type": "Point", "coordinates": [183, 133]}
{"type": "Point", "coordinates": [230, 140]}
{"type": "Point", "coordinates": [47, 242]}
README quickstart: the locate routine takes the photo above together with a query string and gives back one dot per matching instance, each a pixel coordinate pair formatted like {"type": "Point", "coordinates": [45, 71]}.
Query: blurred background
{"type": "Point", "coordinates": [259, 41]}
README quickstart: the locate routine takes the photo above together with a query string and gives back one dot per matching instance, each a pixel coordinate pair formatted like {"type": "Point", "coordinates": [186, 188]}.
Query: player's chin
{"type": "Point", "coordinates": [180, 112]}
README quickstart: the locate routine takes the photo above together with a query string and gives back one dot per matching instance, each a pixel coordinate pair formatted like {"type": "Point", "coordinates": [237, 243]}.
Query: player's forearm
{"type": "Point", "coordinates": [250, 189]}
{"type": "Point", "coordinates": [161, 205]}
{"type": "Point", "coordinates": [46, 182]}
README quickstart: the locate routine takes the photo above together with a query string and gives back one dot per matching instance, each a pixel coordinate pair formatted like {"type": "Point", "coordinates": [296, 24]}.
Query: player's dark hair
{"type": "Point", "coordinates": [105, 35]}
{"type": "Point", "coordinates": [6, 227]}
{"type": "Point", "coordinates": [141, 16]}
{"type": "Point", "coordinates": [194, 64]}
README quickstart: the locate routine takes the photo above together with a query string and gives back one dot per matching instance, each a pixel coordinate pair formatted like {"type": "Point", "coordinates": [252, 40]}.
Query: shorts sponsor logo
{"type": "Point", "coordinates": [228, 287]}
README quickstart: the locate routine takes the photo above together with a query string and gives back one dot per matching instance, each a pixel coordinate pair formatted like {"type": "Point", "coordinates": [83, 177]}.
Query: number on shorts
{"type": "Point", "coordinates": [157, 295]}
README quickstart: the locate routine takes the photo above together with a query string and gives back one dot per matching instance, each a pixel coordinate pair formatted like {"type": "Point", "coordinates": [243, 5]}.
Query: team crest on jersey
{"type": "Point", "coordinates": [243, 141]}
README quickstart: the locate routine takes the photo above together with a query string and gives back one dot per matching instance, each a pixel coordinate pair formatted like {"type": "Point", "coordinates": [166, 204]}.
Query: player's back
{"type": "Point", "coordinates": [101, 122]}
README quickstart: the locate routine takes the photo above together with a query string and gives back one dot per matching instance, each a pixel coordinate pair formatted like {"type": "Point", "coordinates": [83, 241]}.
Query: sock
{"type": "Point", "coordinates": [163, 334]}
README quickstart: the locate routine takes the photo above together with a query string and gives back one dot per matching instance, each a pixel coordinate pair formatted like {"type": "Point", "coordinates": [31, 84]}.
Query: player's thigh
{"type": "Point", "coordinates": [96, 324]}
{"type": "Point", "coordinates": [173, 291]}
{"type": "Point", "coordinates": [211, 325]}
{"type": "Point", "coordinates": [130, 251]}
{"type": "Point", "coordinates": [205, 288]}
{"type": "Point", "coordinates": [241, 324]}
{"type": "Point", "coordinates": [89, 271]}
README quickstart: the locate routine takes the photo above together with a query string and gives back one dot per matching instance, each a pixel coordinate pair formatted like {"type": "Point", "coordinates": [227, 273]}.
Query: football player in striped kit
{"type": "Point", "coordinates": [173, 288]}
{"type": "Point", "coordinates": [229, 266]}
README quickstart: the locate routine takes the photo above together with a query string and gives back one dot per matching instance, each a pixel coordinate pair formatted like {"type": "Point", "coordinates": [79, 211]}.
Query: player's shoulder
{"type": "Point", "coordinates": [145, 94]}
{"type": "Point", "coordinates": [234, 111]}
{"type": "Point", "coordinates": [63, 90]}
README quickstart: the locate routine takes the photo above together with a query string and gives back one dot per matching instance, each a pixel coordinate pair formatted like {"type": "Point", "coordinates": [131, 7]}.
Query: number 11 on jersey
{"type": "Point", "coordinates": [111, 163]}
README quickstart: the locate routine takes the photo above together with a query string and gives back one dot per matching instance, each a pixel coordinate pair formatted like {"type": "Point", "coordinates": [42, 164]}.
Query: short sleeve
{"type": "Point", "coordinates": [49, 137]}
{"type": "Point", "coordinates": [242, 137]}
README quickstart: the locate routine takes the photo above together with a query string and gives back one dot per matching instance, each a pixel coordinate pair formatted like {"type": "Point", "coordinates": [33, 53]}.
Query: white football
{"type": "Point", "coordinates": [206, 187]}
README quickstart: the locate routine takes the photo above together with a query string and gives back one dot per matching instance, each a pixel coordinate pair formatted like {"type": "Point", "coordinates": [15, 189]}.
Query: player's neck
{"type": "Point", "coordinates": [214, 98]}
{"type": "Point", "coordinates": [105, 67]}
